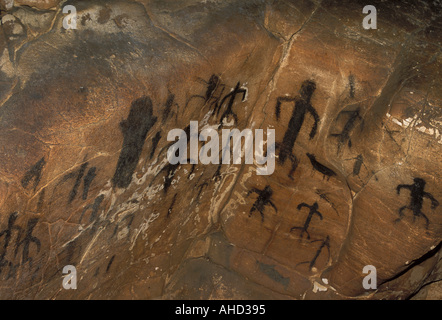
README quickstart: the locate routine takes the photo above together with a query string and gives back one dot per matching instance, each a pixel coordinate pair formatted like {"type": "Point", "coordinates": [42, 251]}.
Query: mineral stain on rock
{"type": "Point", "coordinates": [135, 129]}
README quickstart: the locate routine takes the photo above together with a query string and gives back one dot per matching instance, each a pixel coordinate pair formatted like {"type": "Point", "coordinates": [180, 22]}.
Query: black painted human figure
{"type": "Point", "coordinates": [263, 199]}
{"type": "Point", "coordinates": [209, 97]}
{"type": "Point", "coordinates": [33, 173]}
{"type": "Point", "coordinates": [302, 106]}
{"type": "Point", "coordinates": [417, 198]}
{"type": "Point", "coordinates": [7, 234]}
{"type": "Point", "coordinates": [28, 239]}
{"type": "Point", "coordinates": [135, 128]}
{"type": "Point", "coordinates": [324, 244]}
{"type": "Point", "coordinates": [313, 211]}
{"type": "Point", "coordinates": [344, 135]}
{"type": "Point", "coordinates": [229, 111]}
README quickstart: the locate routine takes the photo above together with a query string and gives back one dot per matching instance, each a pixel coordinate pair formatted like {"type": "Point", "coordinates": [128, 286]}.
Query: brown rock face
{"type": "Point", "coordinates": [85, 178]}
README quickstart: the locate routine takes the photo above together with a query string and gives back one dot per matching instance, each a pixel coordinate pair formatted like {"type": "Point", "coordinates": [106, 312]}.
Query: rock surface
{"type": "Point", "coordinates": [84, 179]}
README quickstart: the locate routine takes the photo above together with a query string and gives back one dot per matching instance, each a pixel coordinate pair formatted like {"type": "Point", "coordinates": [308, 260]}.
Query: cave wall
{"type": "Point", "coordinates": [85, 179]}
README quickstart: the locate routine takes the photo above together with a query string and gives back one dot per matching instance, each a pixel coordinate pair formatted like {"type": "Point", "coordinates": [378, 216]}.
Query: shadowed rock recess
{"type": "Point", "coordinates": [84, 176]}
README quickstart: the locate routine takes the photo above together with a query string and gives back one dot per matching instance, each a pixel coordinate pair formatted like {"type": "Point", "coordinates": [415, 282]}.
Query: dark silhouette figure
{"type": "Point", "coordinates": [351, 83]}
{"type": "Point", "coordinates": [7, 233]}
{"type": "Point", "coordinates": [214, 91]}
{"type": "Point", "coordinates": [232, 95]}
{"type": "Point", "coordinates": [91, 174]}
{"type": "Point", "coordinates": [155, 141]}
{"type": "Point", "coordinates": [344, 136]}
{"type": "Point", "coordinates": [417, 198]}
{"type": "Point", "coordinates": [168, 107]}
{"type": "Point", "coordinates": [170, 170]}
{"type": "Point", "coordinates": [28, 239]}
{"type": "Point", "coordinates": [130, 218]}
{"type": "Point", "coordinates": [264, 197]}
{"type": "Point", "coordinates": [33, 173]}
{"type": "Point", "coordinates": [301, 107]}
{"type": "Point", "coordinates": [77, 183]}
{"type": "Point", "coordinates": [94, 209]}
{"type": "Point", "coordinates": [313, 211]}
{"type": "Point", "coordinates": [358, 164]}
{"type": "Point", "coordinates": [135, 128]}
{"type": "Point", "coordinates": [212, 85]}
{"type": "Point", "coordinates": [324, 244]}
{"type": "Point", "coordinates": [327, 172]}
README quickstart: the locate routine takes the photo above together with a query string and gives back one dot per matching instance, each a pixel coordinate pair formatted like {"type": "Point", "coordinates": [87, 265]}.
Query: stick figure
{"type": "Point", "coordinates": [344, 136]}
{"type": "Point", "coordinates": [7, 233]}
{"type": "Point", "coordinates": [301, 107]}
{"type": "Point", "coordinates": [229, 110]}
{"type": "Point", "coordinates": [417, 198]}
{"type": "Point", "coordinates": [28, 239]}
{"type": "Point", "coordinates": [324, 244]}
{"type": "Point", "coordinates": [212, 86]}
{"type": "Point", "coordinates": [263, 200]}
{"type": "Point", "coordinates": [313, 211]}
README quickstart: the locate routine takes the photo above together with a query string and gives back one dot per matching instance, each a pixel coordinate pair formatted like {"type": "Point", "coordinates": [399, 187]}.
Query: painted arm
{"type": "Point", "coordinates": [278, 105]}
{"type": "Point", "coordinates": [434, 202]}
{"type": "Point", "coordinates": [402, 186]}
{"type": "Point", "coordinates": [273, 205]}
{"type": "Point", "coordinates": [301, 205]}
{"type": "Point", "coordinates": [316, 118]}
{"type": "Point", "coordinates": [253, 190]}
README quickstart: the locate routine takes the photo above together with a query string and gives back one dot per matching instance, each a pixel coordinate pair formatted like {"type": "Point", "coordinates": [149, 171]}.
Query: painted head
{"type": "Point", "coordinates": [419, 182]}
{"type": "Point", "coordinates": [307, 89]}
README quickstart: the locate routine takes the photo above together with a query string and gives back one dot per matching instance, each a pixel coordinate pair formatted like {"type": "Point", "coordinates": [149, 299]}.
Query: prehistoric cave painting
{"type": "Point", "coordinates": [135, 128]}
{"type": "Point", "coordinates": [214, 91]}
{"type": "Point", "coordinates": [41, 200]}
{"type": "Point", "coordinates": [358, 164]}
{"type": "Point", "coordinates": [155, 141]}
{"type": "Point", "coordinates": [351, 84]}
{"type": "Point", "coordinates": [91, 174]}
{"type": "Point", "coordinates": [324, 244]}
{"type": "Point", "coordinates": [301, 107]}
{"type": "Point", "coordinates": [263, 199]}
{"type": "Point", "coordinates": [170, 170]}
{"type": "Point", "coordinates": [26, 242]}
{"type": "Point", "coordinates": [7, 235]}
{"type": "Point", "coordinates": [169, 211]}
{"type": "Point", "coordinates": [33, 173]}
{"type": "Point", "coordinates": [77, 183]}
{"type": "Point", "coordinates": [110, 263]}
{"type": "Point", "coordinates": [327, 172]}
{"type": "Point", "coordinates": [209, 97]}
{"type": "Point", "coordinates": [324, 196]}
{"type": "Point", "coordinates": [129, 218]}
{"type": "Point", "coordinates": [217, 175]}
{"type": "Point", "coordinates": [78, 175]}
{"type": "Point", "coordinates": [229, 110]}
{"type": "Point", "coordinates": [94, 209]}
{"type": "Point", "coordinates": [170, 102]}
{"type": "Point", "coordinates": [313, 210]}
{"type": "Point", "coordinates": [213, 97]}
{"type": "Point", "coordinates": [417, 198]}
{"type": "Point", "coordinates": [344, 135]}
{"type": "Point", "coordinates": [201, 187]}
